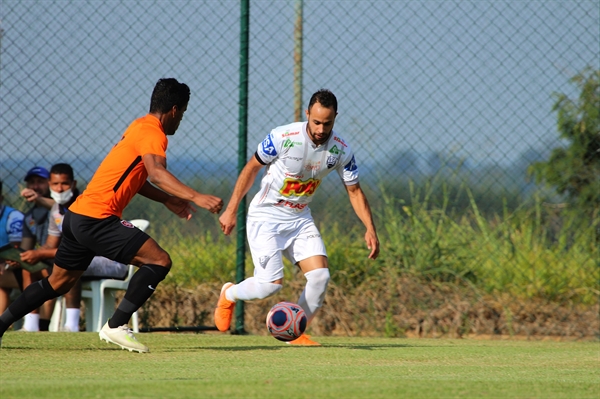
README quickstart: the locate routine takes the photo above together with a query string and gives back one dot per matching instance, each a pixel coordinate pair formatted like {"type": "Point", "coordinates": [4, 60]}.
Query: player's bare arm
{"type": "Point", "coordinates": [169, 184]}
{"type": "Point", "coordinates": [361, 207]}
{"type": "Point", "coordinates": [242, 186]}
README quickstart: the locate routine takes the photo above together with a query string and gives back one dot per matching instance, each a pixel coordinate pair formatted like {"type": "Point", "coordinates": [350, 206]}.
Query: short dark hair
{"type": "Point", "coordinates": [167, 93]}
{"type": "Point", "coordinates": [324, 97]}
{"type": "Point", "coordinates": [62, 169]}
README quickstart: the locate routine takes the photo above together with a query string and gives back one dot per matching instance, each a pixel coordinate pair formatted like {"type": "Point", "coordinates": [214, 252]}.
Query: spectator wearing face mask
{"type": "Point", "coordinates": [63, 190]}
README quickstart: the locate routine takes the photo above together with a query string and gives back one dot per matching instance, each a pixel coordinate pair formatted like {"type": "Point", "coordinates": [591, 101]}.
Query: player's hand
{"type": "Point", "coordinates": [29, 195]}
{"type": "Point", "coordinates": [210, 202]}
{"type": "Point", "coordinates": [372, 244]}
{"type": "Point", "coordinates": [32, 256]}
{"type": "Point", "coordinates": [180, 207]}
{"type": "Point", "coordinates": [228, 220]}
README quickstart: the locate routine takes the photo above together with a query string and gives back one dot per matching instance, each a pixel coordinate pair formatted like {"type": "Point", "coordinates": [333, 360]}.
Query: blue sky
{"type": "Point", "coordinates": [471, 78]}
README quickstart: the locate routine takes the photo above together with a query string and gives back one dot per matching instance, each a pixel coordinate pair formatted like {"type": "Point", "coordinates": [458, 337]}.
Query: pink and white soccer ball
{"type": "Point", "coordinates": [286, 321]}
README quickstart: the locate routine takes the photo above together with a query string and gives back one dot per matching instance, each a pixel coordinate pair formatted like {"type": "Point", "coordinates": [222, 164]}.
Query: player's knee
{"type": "Point", "coordinates": [62, 287]}
{"type": "Point", "coordinates": [267, 289]}
{"type": "Point", "coordinates": [164, 259]}
{"type": "Point", "coordinates": [318, 277]}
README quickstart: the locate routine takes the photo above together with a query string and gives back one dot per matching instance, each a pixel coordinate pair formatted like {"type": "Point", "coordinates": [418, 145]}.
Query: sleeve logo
{"type": "Point", "coordinates": [268, 147]}
{"type": "Point", "coordinates": [351, 166]}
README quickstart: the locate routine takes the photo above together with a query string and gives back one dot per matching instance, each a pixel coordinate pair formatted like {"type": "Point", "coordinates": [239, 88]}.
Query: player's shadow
{"type": "Point", "coordinates": [368, 347]}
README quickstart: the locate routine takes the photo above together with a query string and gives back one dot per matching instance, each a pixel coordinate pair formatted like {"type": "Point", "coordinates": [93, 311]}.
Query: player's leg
{"type": "Point", "coordinates": [32, 319]}
{"type": "Point", "coordinates": [46, 310]}
{"type": "Point", "coordinates": [154, 264]}
{"type": "Point", "coordinates": [316, 272]}
{"type": "Point", "coordinates": [266, 242]}
{"type": "Point", "coordinates": [59, 282]}
{"type": "Point", "coordinates": [308, 252]}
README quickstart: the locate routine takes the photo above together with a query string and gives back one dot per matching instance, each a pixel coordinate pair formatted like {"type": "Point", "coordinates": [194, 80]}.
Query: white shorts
{"type": "Point", "coordinates": [270, 241]}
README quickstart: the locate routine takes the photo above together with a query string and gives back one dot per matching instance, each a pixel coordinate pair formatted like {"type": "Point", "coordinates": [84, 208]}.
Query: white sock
{"type": "Point", "coordinates": [313, 295]}
{"type": "Point", "coordinates": [72, 322]}
{"type": "Point", "coordinates": [250, 289]}
{"type": "Point", "coordinates": [32, 322]}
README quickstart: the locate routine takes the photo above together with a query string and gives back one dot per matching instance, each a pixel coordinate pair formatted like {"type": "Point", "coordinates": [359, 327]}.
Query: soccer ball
{"type": "Point", "coordinates": [286, 321]}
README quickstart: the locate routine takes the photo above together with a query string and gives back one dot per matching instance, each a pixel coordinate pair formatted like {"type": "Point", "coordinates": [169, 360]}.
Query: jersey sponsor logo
{"type": "Point", "coordinates": [336, 151]}
{"type": "Point", "coordinates": [58, 219]}
{"type": "Point", "coordinates": [127, 224]}
{"type": "Point", "coordinates": [299, 188]}
{"type": "Point", "coordinates": [313, 166]}
{"type": "Point", "coordinates": [30, 222]}
{"type": "Point", "coordinates": [15, 227]}
{"type": "Point", "coordinates": [336, 138]}
{"type": "Point", "coordinates": [351, 166]}
{"type": "Point", "coordinates": [287, 133]}
{"type": "Point", "coordinates": [294, 175]}
{"type": "Point", "coordinates": [290, 204]}
{"type": "Point", "coordinates": [313, 236]}
{"type": "Point", "coordinates": [289, 143]}
{"type": "Point", "coordinates": [268, 147]}
{"type": "Point", "coordinates": [331, 161]}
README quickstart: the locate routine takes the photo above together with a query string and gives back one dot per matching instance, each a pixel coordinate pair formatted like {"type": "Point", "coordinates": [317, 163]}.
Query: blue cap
{"type": "Point", "coordinates": [37, 171]}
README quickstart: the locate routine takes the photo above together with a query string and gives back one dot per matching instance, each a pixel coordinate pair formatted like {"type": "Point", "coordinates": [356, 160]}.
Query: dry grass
{"type": "Point", "coordinates": [403, 307]}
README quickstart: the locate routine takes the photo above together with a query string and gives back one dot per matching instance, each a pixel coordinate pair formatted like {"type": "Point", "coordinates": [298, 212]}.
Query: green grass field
{"type": "Point", "coordinates": [63, 365]}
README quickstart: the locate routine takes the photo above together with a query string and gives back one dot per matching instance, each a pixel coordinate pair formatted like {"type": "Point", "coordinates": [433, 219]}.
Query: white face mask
{"type": "Point", "coordinates": [61, 198]}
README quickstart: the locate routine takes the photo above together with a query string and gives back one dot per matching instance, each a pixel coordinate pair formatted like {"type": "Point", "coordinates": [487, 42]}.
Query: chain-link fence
{"type": "Point", "coordinates": [453, 98]}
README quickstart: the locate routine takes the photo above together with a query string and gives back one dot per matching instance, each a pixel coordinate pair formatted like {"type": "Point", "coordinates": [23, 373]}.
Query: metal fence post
{"type": "Point", "coordinates": [242, 140]}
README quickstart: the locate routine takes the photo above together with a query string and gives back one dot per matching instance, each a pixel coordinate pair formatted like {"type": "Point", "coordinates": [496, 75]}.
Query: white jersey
{"type": "Point", "coordinates": [295, 168]}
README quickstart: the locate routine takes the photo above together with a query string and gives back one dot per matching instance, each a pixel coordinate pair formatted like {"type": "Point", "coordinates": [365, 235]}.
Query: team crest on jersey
{"type": "Point", "coordinates": [331, 161]}
{"type": "Point", "coordinates": [127, 224]}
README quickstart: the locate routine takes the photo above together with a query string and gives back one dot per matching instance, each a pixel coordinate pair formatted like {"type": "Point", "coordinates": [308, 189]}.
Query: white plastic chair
{"type": "Point", "coordinates": [99, 295]}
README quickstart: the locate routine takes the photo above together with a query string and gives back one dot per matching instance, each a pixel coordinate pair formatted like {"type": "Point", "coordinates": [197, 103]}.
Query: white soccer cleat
{"type": "Point", "coordinates": [122, 336]}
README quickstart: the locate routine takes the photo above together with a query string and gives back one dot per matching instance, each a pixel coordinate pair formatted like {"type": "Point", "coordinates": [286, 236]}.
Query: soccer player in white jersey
{"type": "Point", "coordinates": [297, 157]}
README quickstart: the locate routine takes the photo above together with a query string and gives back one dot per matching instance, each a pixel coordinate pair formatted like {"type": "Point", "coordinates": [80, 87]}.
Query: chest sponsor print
{"type": "Point", "coordinates": [299, 188]}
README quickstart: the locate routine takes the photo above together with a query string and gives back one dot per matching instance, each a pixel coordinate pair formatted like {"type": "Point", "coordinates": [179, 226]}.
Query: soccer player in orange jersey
{"type": "Point", "coordinates": [93, 225]}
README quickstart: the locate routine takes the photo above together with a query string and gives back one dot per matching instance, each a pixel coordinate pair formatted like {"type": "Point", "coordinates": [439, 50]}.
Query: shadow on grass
{"type": "Point", "coordinates": [292, 347]}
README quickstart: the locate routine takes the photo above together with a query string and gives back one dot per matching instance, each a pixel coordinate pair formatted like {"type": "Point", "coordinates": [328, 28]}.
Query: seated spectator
{"type": "Point", "coordinates": [63, 189]}
{"type": "Point", "coordinates": [35, 232]}
{"type": "Point", "coordinates": [11, 232]}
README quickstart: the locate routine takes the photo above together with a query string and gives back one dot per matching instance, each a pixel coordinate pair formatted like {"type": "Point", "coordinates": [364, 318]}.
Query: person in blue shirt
{"type": "Point", "coordinates": [11, 232]}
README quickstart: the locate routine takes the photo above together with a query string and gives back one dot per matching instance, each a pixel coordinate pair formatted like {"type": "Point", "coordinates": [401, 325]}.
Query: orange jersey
{"type": "Point", "coordinates": [122, 173]}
